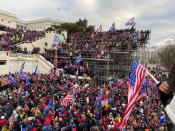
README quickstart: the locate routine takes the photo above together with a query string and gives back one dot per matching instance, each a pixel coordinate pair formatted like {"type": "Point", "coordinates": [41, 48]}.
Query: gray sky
{"type": "Point", "coordinates": [157, 15]}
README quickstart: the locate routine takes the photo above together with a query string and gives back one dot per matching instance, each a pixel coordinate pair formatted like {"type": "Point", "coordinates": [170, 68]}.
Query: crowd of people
{"type": "Point", "coordinates": [101, 44]}
{"type": "Point", "coordinates": [57, 101]}
{"type": "Point", "coordinates": [73, 64]}
{"type": "Point", "coordinates": [39, 104]}
{"type": "Point", "coordinates": [95, 45]}
{"type": "Point", "coordinates": [123, 39]}
{"type": "Point", "coordinates": [13, 36]}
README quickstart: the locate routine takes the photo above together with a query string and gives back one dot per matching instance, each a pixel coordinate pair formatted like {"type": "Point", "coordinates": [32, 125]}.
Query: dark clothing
{"type": "Point", "coordinates": [166, 99]}
{"type": "Point", "coordinates": [171, 78]}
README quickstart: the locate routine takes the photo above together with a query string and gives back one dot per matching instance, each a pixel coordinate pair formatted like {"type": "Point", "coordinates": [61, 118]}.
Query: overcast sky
{"type": "Point", "coordinates": [157, 15]}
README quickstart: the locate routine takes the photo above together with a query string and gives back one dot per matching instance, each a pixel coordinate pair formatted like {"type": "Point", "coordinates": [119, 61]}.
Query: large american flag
{"type": "Point", "coordinates": [136, 77]}
{"type": "Point", "coordinates": [65, 101]}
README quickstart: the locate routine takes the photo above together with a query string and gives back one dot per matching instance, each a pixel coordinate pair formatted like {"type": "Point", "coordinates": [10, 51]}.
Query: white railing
{"type": "Point", "coordinates": [14, 62]}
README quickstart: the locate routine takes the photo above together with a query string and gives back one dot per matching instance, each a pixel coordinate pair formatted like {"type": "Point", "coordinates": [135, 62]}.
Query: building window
{"type": "Point", "coordinates": [9, 22]}
{"type": "Point", "coordinates": [2, 19]}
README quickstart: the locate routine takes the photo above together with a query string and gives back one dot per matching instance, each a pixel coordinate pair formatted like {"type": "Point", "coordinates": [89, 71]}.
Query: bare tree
{"type": "Point", "coordinates": [167, 56]}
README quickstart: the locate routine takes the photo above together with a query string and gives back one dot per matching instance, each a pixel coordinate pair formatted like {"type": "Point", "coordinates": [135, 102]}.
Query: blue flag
{"type": "Point", "coordinates": [48, 107]}
{"type": "Point", "coordinates": [131, 22]}
{"type": "Point", "coordinates": [78, 59]}
{"type": "Point", "coordinates": [27, 82]}
{"type": "Point", "coordinates": [98, 99]}
{"type": "Point", "coordinates": [22, 75]}
{"type": "Point", "coordinates": [11, 80]}
{"type": "Point", "coordinates": [112, 28]}
{"type": "Point", "coordinates": [135, 37]}
{"type": "Point", "coordinates": [57, 40]}
{"type": "Point", "coordinates": [163, 119]}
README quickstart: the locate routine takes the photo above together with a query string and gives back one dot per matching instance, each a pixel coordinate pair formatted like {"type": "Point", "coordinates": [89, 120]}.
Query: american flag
{"type": "Point", "coordinates": [141, 96]}
{"type": "Point", "coordinates": [131, 22]}
{"type": "Point", "coordinates": [22, 66]}
{"type": "Point", "coordinates": [65, 101]}
{"type": "Point", "coordinates": [136, 76]}
{"type": "Point", "coordinates": [11, 122]}
{"type": "Point", "coordinates": [112, 28]}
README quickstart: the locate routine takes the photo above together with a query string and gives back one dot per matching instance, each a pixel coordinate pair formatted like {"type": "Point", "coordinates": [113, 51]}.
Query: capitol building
{"type": "Point", "coordinates": [10, 20]}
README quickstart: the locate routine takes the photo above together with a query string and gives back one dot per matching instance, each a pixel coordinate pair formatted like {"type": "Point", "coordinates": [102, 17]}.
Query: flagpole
{"type": "Point", "coordinates": [155, 80]}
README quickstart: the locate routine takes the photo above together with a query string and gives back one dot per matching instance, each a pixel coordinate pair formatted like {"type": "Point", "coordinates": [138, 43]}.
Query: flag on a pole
{"type": "Point", "coordinates": [120, 84]}
{"type": "Point", "coordinates": [11, 80]}
{"type": "Point", "coordinates": [57, 39]}
{"type": "Point", "coordinates": [22, 75]}
{"type": "Point", "coordinates": [136, 76]}
{"type": "Point", "coordinates": [131, 22]}
{"type": "Point", "coordinates": [65, 101]}
{"type": "Point", "coordinates": [11, 122]}
{"type": "Point", "coordinates": [112, 28]}
{"type": "Point", "coordinates": [4, 81]}
{"type": "Point", "coordinates": [78, 59]}
{"type": "Point", "coordinates": [22, 66]}
{"type": "Point", "coordinates": [36, 69]}
{"type": "Point", "coordinates": [49, 106]}
{"type": "Point", "coordinates": [27, 82]}
{"type": "Point", "coordinates": [104, 100]}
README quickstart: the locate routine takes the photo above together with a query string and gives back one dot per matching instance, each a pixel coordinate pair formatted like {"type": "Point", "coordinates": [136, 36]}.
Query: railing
{"type": "Point", "coordinates": [38, 57]}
